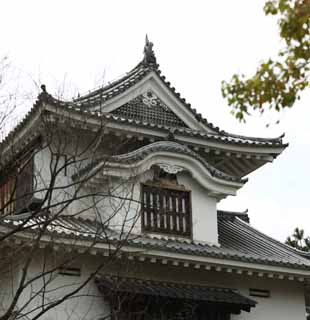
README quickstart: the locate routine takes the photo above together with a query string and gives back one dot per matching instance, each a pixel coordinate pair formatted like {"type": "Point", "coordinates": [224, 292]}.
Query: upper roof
{"type": "Point", "coordinates": [149, 65]}
{"type": "Point", "coordinates": [143, 102]}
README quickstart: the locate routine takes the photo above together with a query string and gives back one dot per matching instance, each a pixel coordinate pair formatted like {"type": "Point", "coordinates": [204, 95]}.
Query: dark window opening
{"type": "Point", "coordinates": [261, 293]}
{"type": "Point", "coordinates": [8, 195]}
{"type": "Point", "coordinates": [166, 210]}
{"type": "Point", "coordinates": [16, 189]}
{"type": "Point", "coordinates": [70, 271]}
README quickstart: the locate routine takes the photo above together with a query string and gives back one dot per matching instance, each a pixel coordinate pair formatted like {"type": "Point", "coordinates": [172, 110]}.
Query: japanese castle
{"type": "Point", "coordinates": [120, 187]}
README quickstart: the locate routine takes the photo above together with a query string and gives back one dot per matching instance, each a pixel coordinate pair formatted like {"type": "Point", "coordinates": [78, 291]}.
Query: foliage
{"type": "Point", "coordinates": [278, 82]}
{"type": "Point", "coordinates": [298, 240]}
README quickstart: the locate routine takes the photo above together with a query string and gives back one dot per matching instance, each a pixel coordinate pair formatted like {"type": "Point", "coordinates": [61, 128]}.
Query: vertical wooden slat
{"type": "Point", "coordinates": [162, 213]}
{"type": "Point", "coordinates": [147, 209]}
{"type": "Point", "coordinates": [143, 205]}
{"type": "Point", "coordinates": [174, 216]}
{"type": "Point", "coordinates": [154, 194]}
{"type": "Point", "coordinates": [168, 213]}
{"type": "Point", "coordinates": [181, 213]}
{"type": "Point", "coordinates": [189, 213]}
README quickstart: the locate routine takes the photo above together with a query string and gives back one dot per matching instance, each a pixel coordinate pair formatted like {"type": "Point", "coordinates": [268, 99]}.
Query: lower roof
{"type": "Point", "coordinates": [190, 292]}
{"type": "Point", "coordinates": [238, 240]}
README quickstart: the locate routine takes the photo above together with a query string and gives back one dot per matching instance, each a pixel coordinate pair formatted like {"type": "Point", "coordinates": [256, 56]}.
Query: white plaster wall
{"type": "Point", "coordinates": [204, 211]}
{"type": "Point", "coordinates": [44, 169]}
{"type": "Point", "coordinates": [287, 300]}
{"type": "Point", "coordinates": [64, 188]}
{"type": "Point", "coordinates": [87, 304]}
{"type": "Point", "coordinates": [285, 303]}
{"type": "Point", "coordinates": [8, 281]}
{"type": "Point", "coordinates": [123, 207]}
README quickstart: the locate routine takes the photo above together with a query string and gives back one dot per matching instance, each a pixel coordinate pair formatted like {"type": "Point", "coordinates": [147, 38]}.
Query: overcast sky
{"type": "Point", "coordinates": [74, 46]}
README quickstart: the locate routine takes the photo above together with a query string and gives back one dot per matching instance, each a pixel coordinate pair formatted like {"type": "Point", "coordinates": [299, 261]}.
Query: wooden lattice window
{"type": "Point", "coordinates": [8, 195]}
{"type": "Point", "coordinates": [166, 210]}
{"type": "Point", "coordinates": [16, 190]}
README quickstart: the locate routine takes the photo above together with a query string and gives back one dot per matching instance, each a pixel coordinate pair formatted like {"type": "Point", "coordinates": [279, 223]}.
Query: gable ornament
{"type": "Point", "coordinates": [171, 169]}
{"type": "Point", "coordinates": [149, 55]}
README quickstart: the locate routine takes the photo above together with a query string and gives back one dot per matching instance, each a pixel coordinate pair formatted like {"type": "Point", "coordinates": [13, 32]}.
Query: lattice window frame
{"type": "Point", "coordinates": [162, 221]}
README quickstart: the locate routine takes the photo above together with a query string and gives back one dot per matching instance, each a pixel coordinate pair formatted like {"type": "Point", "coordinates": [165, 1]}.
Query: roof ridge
{"type": "Point", "coordinates": [110, 84]}
{"type": "Point", "coordinates": [224, 214]}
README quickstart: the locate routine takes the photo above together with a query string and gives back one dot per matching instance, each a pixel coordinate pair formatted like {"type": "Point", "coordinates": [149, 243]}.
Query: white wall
{"type": "Point", "coordinates": [8, 281]}
{"type": "Point", "coordinates": [123, 208]}
{"type": "Point", "coordinates": [287, 300]}
{"type": "Point", "coordinates": [285, 303]}
{"type": "Point", "coordinates": [88, 303]}
{"type": "Point", "coordinates": [44, 167]}
{"type": "Point", "coordinates": [204, 212]}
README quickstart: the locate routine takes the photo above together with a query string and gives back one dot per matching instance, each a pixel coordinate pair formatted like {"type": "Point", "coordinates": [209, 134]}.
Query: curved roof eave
{"type": "Point", "coordinates": [168, 153]}
{"type": "Point", "coordinates": [238, 140]}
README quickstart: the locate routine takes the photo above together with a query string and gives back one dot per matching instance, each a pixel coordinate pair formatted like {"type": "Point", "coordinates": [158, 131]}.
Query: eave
{"type": "Point", "coordinates": [203, 137]}
{"type": "Point", "coordinates": [149, 256]}
{"type": "Point", "coordinates": [243, 249]}
{"type": "Point", "coordinates": [152, 131]}
{"type": "Point", "coordinates": [132, 164]}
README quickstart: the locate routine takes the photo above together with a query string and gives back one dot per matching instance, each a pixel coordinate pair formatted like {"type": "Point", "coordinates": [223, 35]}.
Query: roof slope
{"type": "Point", "coordinates": [190, 292]}
{"type": "Point", "coordinates": [161, 119]}
{"type": "Point", "coordinates": [238, 240]}
{"type": "Point", "coordinates": [146, 66]}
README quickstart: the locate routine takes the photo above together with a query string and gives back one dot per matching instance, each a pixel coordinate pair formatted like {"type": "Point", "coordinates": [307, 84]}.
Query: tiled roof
{"type": "Point", "coordinates": [81, 109]}
{"type": "Point", "coordinates": [238, 241]}
{"type": "Point", "coordinates": [84, 103]}
{"type": "Point", "coordinates": [224, 138]}
{"type": "Point", "coordinates": [101, 95]}
{"type": "Point", "coordinates": [146, 66]}
{"type": "Point", "coordinates": [112, 284]}
{"type": "Point", "coordinates": [160, 146]}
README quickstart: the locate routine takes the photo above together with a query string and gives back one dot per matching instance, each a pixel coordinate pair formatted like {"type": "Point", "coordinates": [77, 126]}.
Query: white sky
{"type": "Point", "coordinates": [73, 46]}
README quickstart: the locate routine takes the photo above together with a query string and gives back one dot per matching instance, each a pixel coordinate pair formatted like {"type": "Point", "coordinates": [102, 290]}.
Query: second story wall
{"type": "Point", "coordinates": [204, 212]}
{"type": "Point", "coordinates": [180, 208]}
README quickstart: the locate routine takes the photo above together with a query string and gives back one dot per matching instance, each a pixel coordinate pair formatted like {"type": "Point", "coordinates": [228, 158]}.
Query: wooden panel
{"type": "Point", "coordinates": [7, 195]}
{"type": "Point", "coordinates": [24, 187]}
{"type": "Point", "coordinates": [16, 190]}
{"type": "Point", "coordinates": [166, 211]}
